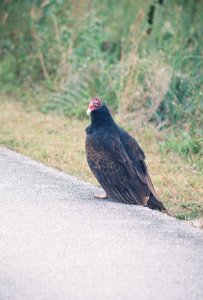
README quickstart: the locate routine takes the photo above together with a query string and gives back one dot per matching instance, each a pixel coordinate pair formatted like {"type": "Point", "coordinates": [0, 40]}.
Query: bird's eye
{"type": "Point", "coordinates": [96, 104]}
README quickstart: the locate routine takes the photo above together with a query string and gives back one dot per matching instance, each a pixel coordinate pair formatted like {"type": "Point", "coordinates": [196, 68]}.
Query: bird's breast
{"type": "Point", "coordinates": [96, 152]}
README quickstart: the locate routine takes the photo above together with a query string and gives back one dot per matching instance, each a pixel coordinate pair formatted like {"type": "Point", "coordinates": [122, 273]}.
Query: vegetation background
{"type": "Point", "coordinates": [144, 58]}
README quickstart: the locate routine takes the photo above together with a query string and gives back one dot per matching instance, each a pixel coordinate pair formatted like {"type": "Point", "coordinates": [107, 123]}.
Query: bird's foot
{"type": "Point", "coordinates": [103, 196]}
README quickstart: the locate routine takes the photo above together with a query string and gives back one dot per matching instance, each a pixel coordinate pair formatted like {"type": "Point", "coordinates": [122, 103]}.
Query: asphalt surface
{"type": "Point", "coordinates": [57, 242]}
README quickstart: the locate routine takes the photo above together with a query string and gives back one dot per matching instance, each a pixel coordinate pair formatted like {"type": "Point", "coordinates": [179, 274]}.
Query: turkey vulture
{"type": "Point", "coordinates": [117, 161]}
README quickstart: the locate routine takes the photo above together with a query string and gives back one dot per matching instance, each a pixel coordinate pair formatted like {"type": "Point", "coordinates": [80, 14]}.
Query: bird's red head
{"type": "Point", "coordinates": [94, 104]}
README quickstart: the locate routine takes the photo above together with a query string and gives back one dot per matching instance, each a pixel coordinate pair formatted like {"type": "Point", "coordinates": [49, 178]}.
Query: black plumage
{"type": "Point", "coordinates": [117, 160]}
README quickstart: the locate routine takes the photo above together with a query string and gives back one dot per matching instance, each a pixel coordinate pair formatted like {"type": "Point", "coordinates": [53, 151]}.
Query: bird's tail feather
{"type": "Point", "coordinates": [154, 203]}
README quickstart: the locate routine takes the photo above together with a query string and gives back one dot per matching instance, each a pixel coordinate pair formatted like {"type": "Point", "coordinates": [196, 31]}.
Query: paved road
{"type": "Point", "coordinates": [58, 243]}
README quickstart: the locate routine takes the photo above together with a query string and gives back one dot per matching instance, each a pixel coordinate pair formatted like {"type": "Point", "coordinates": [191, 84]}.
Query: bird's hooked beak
{"type": "Point", "coordinates": [90, 108]}
{"type": "Point", "coordinates": [88, 111]}
{"type": "Point", "coordinates": [95, 103]}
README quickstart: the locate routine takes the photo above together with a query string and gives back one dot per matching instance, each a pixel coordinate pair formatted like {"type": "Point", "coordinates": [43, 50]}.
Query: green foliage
{"type": "Point", "coordinates": [190, 210]}
{"type": "Point", "coordinates": [186, 144]}
{"type": "Point", "coordinates": [72, 100]}
{"type": "Point", "coordinates": [74, 50]}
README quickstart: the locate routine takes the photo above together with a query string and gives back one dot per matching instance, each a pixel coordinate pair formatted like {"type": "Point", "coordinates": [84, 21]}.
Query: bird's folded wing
{"type": "Point", "coordinates": [137, 156]}
{"type": "Point", "coordinates": [117, 174]}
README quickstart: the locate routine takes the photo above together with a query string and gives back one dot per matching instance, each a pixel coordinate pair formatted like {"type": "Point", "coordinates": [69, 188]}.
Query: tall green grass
{"type": "Point", "coordinates": [73, 50]}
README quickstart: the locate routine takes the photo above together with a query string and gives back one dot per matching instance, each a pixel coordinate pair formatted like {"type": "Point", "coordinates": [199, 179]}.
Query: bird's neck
{"type": "Point", "coordinates": [102, 118]}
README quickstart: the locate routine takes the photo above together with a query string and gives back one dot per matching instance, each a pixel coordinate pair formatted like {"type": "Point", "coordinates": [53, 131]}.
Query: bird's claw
{"type": "Point", "coordinates": [103, 196]}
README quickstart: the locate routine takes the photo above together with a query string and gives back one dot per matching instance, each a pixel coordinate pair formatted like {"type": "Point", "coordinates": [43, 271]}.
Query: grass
{"type": "Point", "coordinates": [58, 141]}
{"type": "Point", "coordinates": [187, 146]}
{"type": "Point", "coordinates": [56, 54]}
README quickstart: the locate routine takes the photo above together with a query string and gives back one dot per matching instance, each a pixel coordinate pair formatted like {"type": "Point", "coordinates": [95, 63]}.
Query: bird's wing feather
{"type": "Point", "coordinates": [115, 171]}
{"type": "Point", "coordinates": [137, 156]}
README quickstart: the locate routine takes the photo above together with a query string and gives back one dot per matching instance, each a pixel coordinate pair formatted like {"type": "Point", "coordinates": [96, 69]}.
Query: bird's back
{"type": "Point", "coordinates": [117, 161]}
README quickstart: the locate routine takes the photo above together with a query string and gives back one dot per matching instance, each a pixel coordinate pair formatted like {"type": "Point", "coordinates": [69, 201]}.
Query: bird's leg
{"type": "Point", "coordinates": [103, 196]}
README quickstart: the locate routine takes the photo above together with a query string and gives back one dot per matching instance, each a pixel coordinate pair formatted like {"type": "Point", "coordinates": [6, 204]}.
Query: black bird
{"type": "Point", "coordinates": [117, 160]}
